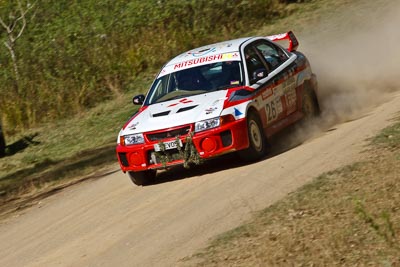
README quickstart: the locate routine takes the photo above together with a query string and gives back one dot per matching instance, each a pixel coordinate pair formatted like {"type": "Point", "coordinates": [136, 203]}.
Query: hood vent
{"type": "Point", "coordinates": [164, 113]}
{"type": "Point", "coordinates": [186, 109]}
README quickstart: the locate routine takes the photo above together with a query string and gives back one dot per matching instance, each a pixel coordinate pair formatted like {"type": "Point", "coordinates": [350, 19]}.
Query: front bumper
{"type": "Point", "coordinates": [211, 143]}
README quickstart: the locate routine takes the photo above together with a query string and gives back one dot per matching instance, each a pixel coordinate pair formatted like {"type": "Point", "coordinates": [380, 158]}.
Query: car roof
{"type": "Point", "coordinates": [222, 51]}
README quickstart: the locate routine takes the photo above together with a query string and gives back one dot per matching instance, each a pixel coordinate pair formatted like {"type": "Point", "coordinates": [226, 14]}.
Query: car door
{"type": "Point", "coordinates": [269, 72]}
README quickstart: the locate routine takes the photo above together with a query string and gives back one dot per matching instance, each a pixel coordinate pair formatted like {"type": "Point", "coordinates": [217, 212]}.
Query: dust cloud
{"type": "Point", "coordinates": [356, 57]}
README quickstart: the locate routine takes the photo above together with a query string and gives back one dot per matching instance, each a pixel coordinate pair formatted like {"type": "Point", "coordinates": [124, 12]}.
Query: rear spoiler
{"type": "Point", "coordinates": [288, 36]}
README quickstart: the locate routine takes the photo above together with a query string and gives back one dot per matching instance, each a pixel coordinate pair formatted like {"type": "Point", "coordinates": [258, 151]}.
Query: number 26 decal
{"type": "Point", "coordinates": [271, 111]}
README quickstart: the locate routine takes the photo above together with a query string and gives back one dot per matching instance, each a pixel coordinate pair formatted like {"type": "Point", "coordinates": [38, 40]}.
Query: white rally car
{"type": "Point", "coordinates": [225, 97]}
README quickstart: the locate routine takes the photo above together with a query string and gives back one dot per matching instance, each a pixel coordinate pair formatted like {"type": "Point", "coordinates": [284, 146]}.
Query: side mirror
{"type": "Point", "coordinates": [138, 100]}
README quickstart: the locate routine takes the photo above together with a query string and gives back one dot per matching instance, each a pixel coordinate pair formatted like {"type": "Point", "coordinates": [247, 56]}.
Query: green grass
{"type": "Point", "coordinates": [389, 137]}
{"type": "Point", "coordinates": [67, 148]}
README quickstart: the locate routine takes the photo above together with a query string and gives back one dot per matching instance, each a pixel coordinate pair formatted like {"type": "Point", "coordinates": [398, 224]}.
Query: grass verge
{"type": "Point", "coordinates": [347, 217]}
{"type": "Point", "coordinates": [56, 152]}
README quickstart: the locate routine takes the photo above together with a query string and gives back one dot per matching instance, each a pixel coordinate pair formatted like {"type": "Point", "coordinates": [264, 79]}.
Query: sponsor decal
{"type": "Point", "coordinates": [197, 61]}
{"type": "Point", "coordinates": [278, 91]}
{"type": "Point", "coordinates": [289, 88]}
{"type": "Point", "coordinates": [291, 101]}
{"type": "Point", "coordinates": [289, 85]}
{"type": "Point", "coordinates": [237, 112]}
{"type": "Point", "coordinates": [133, 126]}
{"type": "Point", "coordinates": [211, 110]}
{"type": "Point", "coordinates": [203, 52]}
{"type": "Point", "coordinates": [230, 56]}
{"type": "Point", "coordinates": [182, 101]}
{"type": "Point", "coordinates": [273, 108]}
{"type": "Point", "coordinates": [267, 93]}
{"type": "Point", "coordinates": [208, 50]}
{"type": "Point", "coordinates": [206, 59]}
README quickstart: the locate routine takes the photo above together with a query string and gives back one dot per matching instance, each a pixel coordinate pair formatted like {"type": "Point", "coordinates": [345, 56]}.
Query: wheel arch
{"type": "Point", "coordinates": [258, 141]}
{"type": "Point", "coordinates": [312, 86]}
{"type": "Point", "coordinates": [251, 108]}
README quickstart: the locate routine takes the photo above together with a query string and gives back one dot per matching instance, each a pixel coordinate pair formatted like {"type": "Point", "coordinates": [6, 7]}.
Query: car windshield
{"type": "Point", "coordinates": [196, 80]}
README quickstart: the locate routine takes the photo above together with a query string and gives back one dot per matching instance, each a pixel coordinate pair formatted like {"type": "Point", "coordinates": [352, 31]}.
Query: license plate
{"type": "Point", "coordinates": [168, 145]}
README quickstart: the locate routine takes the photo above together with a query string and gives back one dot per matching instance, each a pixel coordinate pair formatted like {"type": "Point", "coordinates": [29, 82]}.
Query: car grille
{"type": "Point", "coordinates": [168, 134]}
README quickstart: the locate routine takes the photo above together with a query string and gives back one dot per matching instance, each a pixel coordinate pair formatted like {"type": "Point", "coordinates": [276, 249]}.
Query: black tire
{"type": "Point", "coordinates": [310, 106]}
{"type": "Point", "coordinates": [143, 177]}
{"type": "Point", "coordinates": [257, 141]}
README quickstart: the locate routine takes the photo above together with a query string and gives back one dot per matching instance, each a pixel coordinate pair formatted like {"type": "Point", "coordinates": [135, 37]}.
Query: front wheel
{"type": "Point", "coordinates": [143, 177]}
{"type": "Point", "coordinates": [257, 142]}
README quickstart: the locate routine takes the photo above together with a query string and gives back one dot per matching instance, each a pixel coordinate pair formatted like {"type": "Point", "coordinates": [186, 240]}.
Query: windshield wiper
{"type": "Point", "coordinates": [179, 94]}
{"type": "Point", "coordinates": [224, 87]}
{"type": "Point", "coordinates": [169, 98]}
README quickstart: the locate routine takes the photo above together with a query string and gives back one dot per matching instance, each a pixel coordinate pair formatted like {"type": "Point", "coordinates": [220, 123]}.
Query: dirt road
{"type": "Point", "coordinates": [109, 222]}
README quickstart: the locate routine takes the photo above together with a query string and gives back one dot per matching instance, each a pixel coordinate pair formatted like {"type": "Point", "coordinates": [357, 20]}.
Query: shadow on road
{"type": "Point", "coordinates": [210, 166]}
{"type": "Point", "coordinates": [51, 171]}
{"type": "Point", "coordinates": [21, 144]}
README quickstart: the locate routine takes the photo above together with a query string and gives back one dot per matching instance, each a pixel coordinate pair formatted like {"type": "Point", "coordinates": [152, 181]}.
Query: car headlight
{"type": "Point", "coordinates": [132, 139]}
{"type": "Point", "coordinates": [206, 124]}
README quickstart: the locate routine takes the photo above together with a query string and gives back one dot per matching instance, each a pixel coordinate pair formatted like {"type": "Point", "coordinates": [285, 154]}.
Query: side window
{"type": "Point", "coordinates": [255, 66]}
{"type": "Point", "coordinates": [273, 55]}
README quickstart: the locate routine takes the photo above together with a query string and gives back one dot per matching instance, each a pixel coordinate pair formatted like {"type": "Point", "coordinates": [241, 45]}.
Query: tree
{"type": "Point", "coordinates": [14, 30]}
